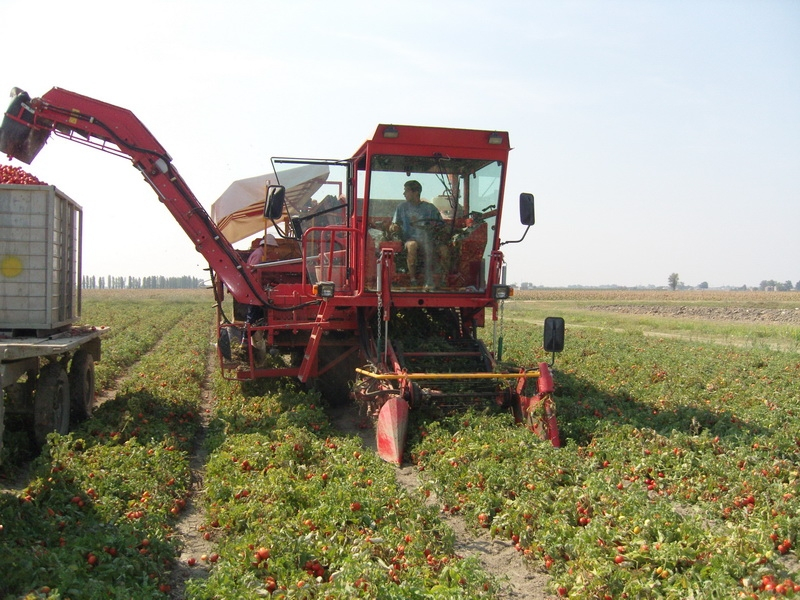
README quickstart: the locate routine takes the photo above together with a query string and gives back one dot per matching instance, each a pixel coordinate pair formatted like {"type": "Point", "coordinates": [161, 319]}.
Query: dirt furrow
{"type": "Point", "coordinates": [189, 530]}
{"type": "Point", "coordinates": [498, 557]}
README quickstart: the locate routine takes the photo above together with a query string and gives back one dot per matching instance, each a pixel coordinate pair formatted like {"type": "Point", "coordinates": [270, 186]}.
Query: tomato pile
{"type": "Point", "coordinates": [18, 176]}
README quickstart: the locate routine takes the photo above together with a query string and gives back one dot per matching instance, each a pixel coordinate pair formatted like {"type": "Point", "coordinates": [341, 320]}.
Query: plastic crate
{"type": "Point", "coordinates": [40, 259]}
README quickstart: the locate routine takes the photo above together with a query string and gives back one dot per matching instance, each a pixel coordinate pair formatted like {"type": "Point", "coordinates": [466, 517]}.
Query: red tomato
{"type": "Point", "coordinates": [17, 176]}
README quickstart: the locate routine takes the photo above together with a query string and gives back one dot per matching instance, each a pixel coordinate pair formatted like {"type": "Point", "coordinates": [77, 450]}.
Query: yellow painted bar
{"type": "Point", "coordinates": [412, 376]}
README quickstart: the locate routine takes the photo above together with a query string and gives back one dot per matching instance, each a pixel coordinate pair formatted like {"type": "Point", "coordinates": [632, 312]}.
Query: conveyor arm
{"type": "Point", "coordinates": [28, 123]}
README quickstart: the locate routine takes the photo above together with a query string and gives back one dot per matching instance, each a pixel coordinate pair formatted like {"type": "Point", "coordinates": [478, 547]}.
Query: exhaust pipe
{"type": "Point", "coordinates": [19, 137]}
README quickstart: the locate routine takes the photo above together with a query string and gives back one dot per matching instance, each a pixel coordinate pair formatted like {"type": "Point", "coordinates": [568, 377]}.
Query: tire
{"type": "Point", "coordinates": [51, 403]}
{"type": "Point", "coordinates": [239, 311]}
{"type": "Point", "coordinates": [335, 385]}
{"type": "Point", "coordinates": [81, 386]}
{"type": "Point", "coordinates": [2, 420]}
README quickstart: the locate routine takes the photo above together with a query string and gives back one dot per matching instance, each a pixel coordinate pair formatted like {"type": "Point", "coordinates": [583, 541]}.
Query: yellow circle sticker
{"type": "Point", "coordinates": [10, 266]}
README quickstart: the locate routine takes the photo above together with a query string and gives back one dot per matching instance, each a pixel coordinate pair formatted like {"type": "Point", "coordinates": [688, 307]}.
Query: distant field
{"type": "Point", "coordinates": [190, 295]}
{"type": "Point", "coordinates": [769, 319]}
{"type": "Point", "coordinates": [784, 300]}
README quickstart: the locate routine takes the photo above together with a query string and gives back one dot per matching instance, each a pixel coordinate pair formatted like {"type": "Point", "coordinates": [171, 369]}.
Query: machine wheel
{"type": "Point", "coordinates": [51, 403]}
{"type": "Point", "coordinates": [335, 385]}
{"type": "Point", "coordinates": [239, 311]}
{"type": "Point", "coordinates": [81, 386]}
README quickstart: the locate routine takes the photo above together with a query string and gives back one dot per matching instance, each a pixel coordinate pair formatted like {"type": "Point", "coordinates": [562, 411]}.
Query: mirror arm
{"type": "Point", "coordinates": [519, 240]}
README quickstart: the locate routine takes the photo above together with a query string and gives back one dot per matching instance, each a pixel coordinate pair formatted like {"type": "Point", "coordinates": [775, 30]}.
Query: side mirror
{"type": "Point", "coordinates": [276, 196]}
{"type": "Point", "coordinates": [297, 227]}
{"type": "Point", "coordinates": [554, 334]}
{"type": "Point", "coordinates": [526, 212]}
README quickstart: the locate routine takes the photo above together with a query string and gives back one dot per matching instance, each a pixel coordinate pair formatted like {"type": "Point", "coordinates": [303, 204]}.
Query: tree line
{"type": "Point", "coordinates": [778, 286]}
{"type": "Point", "coordinates": [154, 282]}
{"type": "Point", "coordinates": [765, 285]}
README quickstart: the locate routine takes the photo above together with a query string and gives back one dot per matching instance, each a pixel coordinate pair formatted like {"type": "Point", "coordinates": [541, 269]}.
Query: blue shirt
{"type": "Point", "coordinates": [416, 221]}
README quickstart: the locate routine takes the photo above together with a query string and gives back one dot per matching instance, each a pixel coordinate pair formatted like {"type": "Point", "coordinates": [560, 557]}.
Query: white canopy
{"type": "Point", "coordinates": [239, 211]}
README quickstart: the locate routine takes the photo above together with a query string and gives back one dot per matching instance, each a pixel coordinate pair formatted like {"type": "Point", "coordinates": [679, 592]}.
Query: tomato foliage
{"type": "Point", "coordinates": [679, 477]}
{"type": "Point", "coordinates": [96, 519]}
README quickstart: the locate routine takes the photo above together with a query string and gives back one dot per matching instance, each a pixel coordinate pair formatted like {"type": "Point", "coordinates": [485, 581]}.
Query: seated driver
{"type": "Point", "coordinates": [418, 222]}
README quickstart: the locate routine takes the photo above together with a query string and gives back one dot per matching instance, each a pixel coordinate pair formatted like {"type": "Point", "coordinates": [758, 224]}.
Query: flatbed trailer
{"type": "Point", "coordinates": [46, 358]}
{"type": "Point", "coordinates": [49, 379]}
{"type": "Point", "coordinates": [16, 350]}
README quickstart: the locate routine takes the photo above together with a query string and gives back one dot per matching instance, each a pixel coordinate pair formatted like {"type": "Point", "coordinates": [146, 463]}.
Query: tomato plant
{"type": "Point", "coordinates": [678, 477]}
{"type": "Point", "coordinates": [96, 517]}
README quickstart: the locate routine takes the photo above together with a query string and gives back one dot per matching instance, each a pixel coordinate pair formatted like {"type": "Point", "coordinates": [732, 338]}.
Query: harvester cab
{"type": "Point", "coordinates": [400, 247]}
{"type": "Point", "coordinates": [387, 263]}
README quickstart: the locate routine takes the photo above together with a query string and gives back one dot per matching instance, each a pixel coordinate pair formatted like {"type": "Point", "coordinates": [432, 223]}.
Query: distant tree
{"type": "Point", "coordinates": [673, 281]}
{"type": "Point", "coordinates": [771, 284]}
{"type": "Point", "coordinates": [132, 283]}
{"type": "Point", "coordinates": [797, 286]}
{"type": "Point", "coordinates": [703, 285]}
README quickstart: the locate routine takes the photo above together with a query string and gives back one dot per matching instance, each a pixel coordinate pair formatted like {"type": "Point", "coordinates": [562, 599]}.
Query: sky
{"type": "Point", "coordinates": [657, 137]}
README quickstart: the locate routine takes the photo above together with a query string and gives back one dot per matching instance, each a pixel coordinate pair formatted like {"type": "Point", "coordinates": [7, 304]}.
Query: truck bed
{"type": "Point", "coordinates": [18, 348]}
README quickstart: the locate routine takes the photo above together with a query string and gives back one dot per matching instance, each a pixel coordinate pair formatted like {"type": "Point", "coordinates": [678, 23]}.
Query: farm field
{"type": "Point", "coordinates": [678, 475]}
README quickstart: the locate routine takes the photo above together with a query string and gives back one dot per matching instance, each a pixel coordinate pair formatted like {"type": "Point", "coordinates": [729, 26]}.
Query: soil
{"type": "Point", "coordinates": [709, 313]}
{"type": "Point", "coordinates": [190, 528]}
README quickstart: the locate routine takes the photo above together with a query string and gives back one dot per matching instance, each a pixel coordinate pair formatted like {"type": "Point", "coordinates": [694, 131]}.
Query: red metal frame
{"type": "Point", "coordinates": [296, 316]}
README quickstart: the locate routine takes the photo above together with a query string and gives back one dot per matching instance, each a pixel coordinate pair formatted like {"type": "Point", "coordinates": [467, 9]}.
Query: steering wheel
{"type": "Point", "coordinates": [427, 223]}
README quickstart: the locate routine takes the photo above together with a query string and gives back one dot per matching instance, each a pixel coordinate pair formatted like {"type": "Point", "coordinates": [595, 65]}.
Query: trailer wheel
{"type": "Point", "coordinates": [2, 417]}
{"type": "Point", "coordinates": [81, 386]}
{"type": "Point", "coordinates": [51, 403]}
